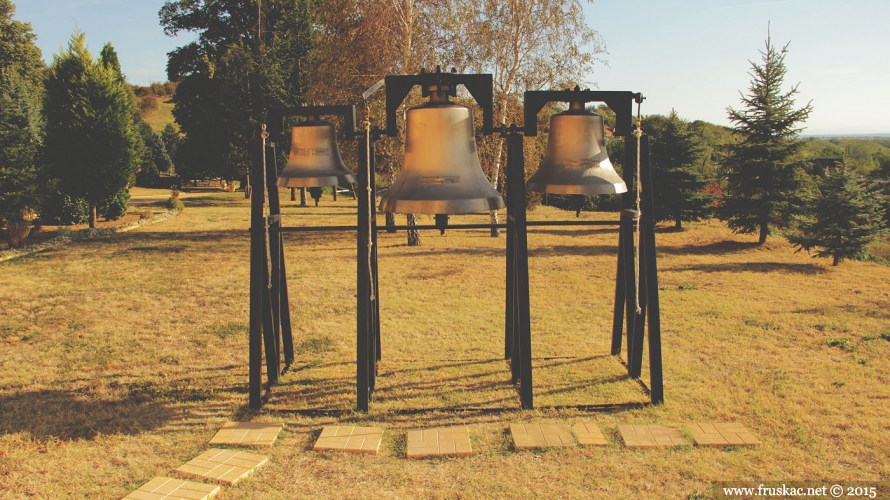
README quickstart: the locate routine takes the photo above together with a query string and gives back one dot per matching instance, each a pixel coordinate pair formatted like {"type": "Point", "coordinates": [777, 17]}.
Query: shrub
{"type": "Point", "coordinates": [17, 232]}
{"type": "Point", "coordinates": [61, 209]}
{"type": "Point", "coordinates": [174, 203]}
{"type": "Point", "coordinates": [115, 207]}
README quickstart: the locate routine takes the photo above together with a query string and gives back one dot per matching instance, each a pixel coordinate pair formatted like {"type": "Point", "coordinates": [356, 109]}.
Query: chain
{"type": "Point", "coordinates": [638, 133]}
{"type": "Point", "coordinates": [265, 135]}
{"type": "Point", "coordinates": [371, 202]}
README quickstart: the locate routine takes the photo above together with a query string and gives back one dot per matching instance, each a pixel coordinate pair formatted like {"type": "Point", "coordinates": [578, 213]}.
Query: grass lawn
{"type": "Point", "coordinates": [159, 118]}
{"type": "Point", "coordinates": [120, 358]}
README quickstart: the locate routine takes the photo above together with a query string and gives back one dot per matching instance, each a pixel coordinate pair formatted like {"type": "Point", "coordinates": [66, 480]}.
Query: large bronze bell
{"type": "Point", "coordinates": [314, 159]}
{"type": "Point", "coordinates": [441, 173]}
{"type": "Point", "coordinates": [576, 160]}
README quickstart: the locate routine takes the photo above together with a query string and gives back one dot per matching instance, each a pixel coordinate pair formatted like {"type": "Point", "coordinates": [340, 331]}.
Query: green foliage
{"type": "Point", "coordinates": [62, 209]}
{"type": "Point", "coordinates": [847, 218]}
{"type": "Point", "coordinates": [92, 143]}
{"type": "Point", "coordinates": [230, 77]}
{"type": "Point", "coordinates": [174, 203]}
{"type": "Point", "coordinates": [18, 52]}
{"type": "Point", "coordinates": [843, 344]}
{"type": "Point", "coordinates": [114, 207]}
{"type": "Point", "coordinates": [21, 71]}
{"type": "Point", "coordinates": [766, 184]}
{"type": "Point", "coordinates": [677, 156]}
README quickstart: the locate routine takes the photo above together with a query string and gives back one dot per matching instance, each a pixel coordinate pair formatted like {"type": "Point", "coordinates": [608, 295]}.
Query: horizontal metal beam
{"type": "Point", "coordinates": [543, 223]}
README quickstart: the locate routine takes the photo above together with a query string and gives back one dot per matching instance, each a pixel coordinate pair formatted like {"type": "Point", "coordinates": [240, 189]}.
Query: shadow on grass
{"type": "Point", "coordinates": [561, 250]}
{"type": "Point", "coordinates": [720, 247]}
{"type": "Point", "coordinates": [66, 415]}
{"type": "Point", "coordinates": [756, 267]}
{"type": "Point", "coordinates": [215, 201]}
{"type": "Point", "coordinates": [573, 231]}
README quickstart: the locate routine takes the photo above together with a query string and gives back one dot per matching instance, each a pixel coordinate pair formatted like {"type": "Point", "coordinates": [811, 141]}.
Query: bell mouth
{"type": "Point", "coordinates": [321, 180]}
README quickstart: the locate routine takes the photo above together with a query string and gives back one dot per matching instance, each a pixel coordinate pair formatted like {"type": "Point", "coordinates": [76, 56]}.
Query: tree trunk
{"type": "Point", "coordinates": [764, 232]}
{"type": "Point", "coordinates": [413, 234]}
{"type": "Point", "coordinates": [17, 232]}
{"type": "Point", "coordinates": [390, 222]}
{"type": "Point", "coordinates": [93, 215]}
{"type": "Point", "coordinates": [247, 187]}
{"type": "Point", "coordinates": [334, 192]}
{"type": "Point", "coordinates": [496, 232]}
{"type": "Point", "coordinates": [303, 197]}
{"type": "Point", "coordinates": [293, 194]}
{"type": "Point", "coordinates": [836, 261]}
{"type": "Point", "coordinates": [679, 224]}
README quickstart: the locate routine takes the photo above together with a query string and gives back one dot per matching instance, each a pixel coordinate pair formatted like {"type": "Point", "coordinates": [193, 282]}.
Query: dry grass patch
{"type": "Point", "coordinates": [121, 358]}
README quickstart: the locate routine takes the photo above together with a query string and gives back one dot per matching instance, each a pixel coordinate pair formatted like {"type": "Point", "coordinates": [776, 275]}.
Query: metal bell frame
{"type": "Point", "coordinates": [269, 310]}
{"type": "Point", "coordinates": [270, 325]}
{"type": "Point", "coordinates": [517, 340]}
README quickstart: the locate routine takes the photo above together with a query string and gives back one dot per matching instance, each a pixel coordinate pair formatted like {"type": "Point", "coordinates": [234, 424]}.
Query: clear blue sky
{"type": "Point", "coordinates": [690, 55]}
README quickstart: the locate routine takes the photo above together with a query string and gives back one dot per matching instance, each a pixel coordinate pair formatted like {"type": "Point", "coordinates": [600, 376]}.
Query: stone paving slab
{"type": "Point", "coordinates": [247, 434]}
{"type": "Point", "coordinates": [349, 438]}
{"type": "Point", "coordinates": [439, 442]}
{"type": "Point", "coordinates": [529, 436]}
{"type": "Point", "coordinates": [589, 434]}
{"type": "Point", "coordinates": [224, 466]}
{"type": "Point", "coordinates": [722, 434]}
{"type": "Point", "coordinates": [165, 488]}
{"type": "Point", "coordinates": [651, 436]}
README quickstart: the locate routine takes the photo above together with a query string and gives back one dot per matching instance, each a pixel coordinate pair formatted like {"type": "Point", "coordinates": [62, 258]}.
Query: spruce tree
{"type": "Point", "coordinates": [92, 144]}
{"type": "Point", "coordinates": [766, 183]}
{"type": "Point", "coordinates": [677, 156]}
{"type": "Point", "coordinates": [847, 217]}
{"type": "Point", "coordinates": [21, 74]}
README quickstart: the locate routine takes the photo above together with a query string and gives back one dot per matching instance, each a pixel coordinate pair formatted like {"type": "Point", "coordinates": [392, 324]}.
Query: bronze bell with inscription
{"type": "Point", "coordinates": [576, 160]}
{"type": "Point", "coordinates": [314, 159]}
{"type": "Point", "coordinates": [441, 173]}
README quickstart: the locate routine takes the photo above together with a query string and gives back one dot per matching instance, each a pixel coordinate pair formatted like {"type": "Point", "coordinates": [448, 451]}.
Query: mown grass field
{"type": "Point", "coordinates": [160, 117]}
{"type": "Point", "coordinates": [120, 358]}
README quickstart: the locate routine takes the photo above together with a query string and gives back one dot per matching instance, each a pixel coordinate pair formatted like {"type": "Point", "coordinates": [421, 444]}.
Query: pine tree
{"type": "Point", "coordinates": [766, 184]}
{"type": "Point", "coordinates": [677, 156]}
{"type": "Point", "coordinates": [92, 144]}
{"type": "Point", "coordinates": [847, 217]}
{"type": "Point", "coordinates": [21, 73]}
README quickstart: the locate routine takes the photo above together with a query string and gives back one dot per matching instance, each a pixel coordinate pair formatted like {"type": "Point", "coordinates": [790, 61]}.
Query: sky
{"type": "Point", "coordinates": [688, 55]}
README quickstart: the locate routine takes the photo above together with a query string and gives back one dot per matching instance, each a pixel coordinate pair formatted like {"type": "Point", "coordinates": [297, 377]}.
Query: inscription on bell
{"type": "Point", "coordinates": [440, 179]}
{"type": "Point", "coordinates": [581, 163]}
{"type": "Point", "coordinates": [312, 151]}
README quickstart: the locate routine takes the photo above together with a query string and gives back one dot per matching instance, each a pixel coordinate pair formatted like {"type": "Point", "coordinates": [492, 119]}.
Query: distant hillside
{"type": "Point", "coordinates": [868, 155]}
{"type": "Point", "coordinates": [159, 118]}
{"type": "Point", "coordinates": [155, 104]}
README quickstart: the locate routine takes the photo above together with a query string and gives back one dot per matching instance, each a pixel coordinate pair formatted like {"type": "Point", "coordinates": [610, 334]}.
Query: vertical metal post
{"type": "Point", "coordinates": [656, 376]}
{"type": "Point", "coordinates": [516, 200]}
{"type": "Point", "coordinates": [280, 299]}
{"type": "Point", "coordinates": [274, 246]}
{"type": "Point", "coordinates": [257, 256]}
{"type": "Point", "coordinates": [510, 310]}
{"type": "Point", "coordinates": [618, 311]}
{"type": "Point", "coordinates": [363, 283]}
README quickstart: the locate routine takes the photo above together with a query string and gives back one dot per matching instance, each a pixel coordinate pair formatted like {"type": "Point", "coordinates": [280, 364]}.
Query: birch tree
{"type": "Point", "coordinates": [525, 45]}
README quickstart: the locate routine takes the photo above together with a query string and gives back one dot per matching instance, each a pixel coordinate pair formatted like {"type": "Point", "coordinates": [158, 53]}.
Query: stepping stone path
{"type": "Point", "coordinates": [439, 442]}
{"type": "Point", "coordinates": [651, 436]}
{"type": "Point", "coordinates": [349, 438]}
{"type": "Point", "coordinates": [530, 436]}
{"type": "Point", "coordinates": [230, 466]}
{"type": "Point", "coordinates": [165, 488]}
{"type": "Point", "coordinates": [247, 434]}
{"type": "Point", "coordinates": [729, 434]}
{"type": "Point", "coordinates": [589, 434]}
{"type": "Point", "coordinates": [224, 466]}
